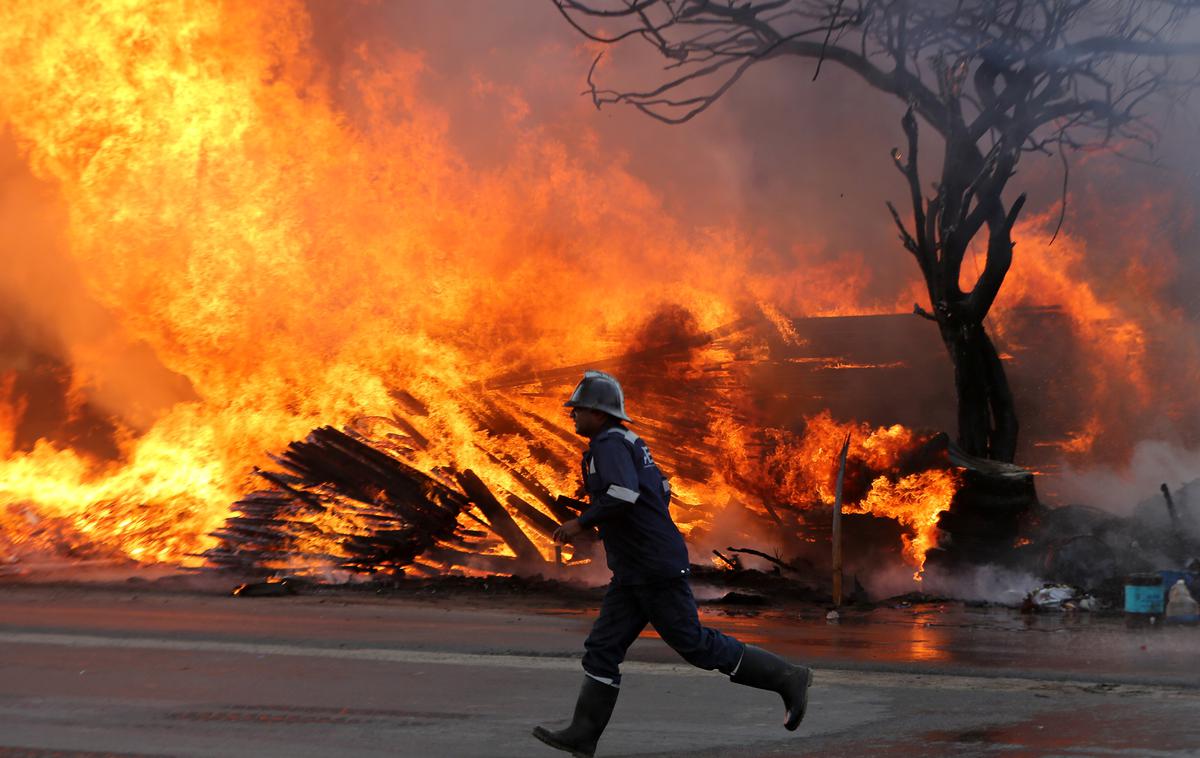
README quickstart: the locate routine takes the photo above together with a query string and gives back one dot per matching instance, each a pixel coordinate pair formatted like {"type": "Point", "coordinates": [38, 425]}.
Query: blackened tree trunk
{"type": "Point", "coordinates": [969, 197]}
{"type": "Point", "coordinates": [987, 420]}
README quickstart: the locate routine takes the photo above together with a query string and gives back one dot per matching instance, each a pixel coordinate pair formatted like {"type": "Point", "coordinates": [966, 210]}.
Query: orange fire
{"type": "Point", "coordinates": [803, 470]}
{"type": "Point", "coordinates": [298, 248]}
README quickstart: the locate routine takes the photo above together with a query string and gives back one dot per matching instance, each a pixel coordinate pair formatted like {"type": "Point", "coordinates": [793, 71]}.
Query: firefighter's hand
{"type": "Point", "coordinates": [568, 532]}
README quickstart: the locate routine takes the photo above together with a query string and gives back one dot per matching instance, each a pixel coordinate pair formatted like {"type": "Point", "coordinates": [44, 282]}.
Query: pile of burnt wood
{"type": "Point", "coordinates": [353, 499]}
{"type": "Point", "coordinates": [342, 502]}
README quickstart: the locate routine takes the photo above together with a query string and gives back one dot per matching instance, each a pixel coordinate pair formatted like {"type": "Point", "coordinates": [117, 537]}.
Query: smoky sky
{"type": "Point", "coordinates": [786, 159]}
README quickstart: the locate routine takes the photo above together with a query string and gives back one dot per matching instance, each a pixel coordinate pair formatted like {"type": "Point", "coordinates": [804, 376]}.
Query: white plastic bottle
{"type": "Point", "coordinates": [1181, 606]}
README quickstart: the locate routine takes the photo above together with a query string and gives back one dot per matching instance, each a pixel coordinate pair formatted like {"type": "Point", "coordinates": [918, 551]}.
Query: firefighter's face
{"type": "Point", "coordinates": [587, 421]}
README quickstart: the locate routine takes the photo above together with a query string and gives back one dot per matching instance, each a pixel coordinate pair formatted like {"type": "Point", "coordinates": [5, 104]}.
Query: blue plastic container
{"type": "Point", "coordinates": [1144, 595]}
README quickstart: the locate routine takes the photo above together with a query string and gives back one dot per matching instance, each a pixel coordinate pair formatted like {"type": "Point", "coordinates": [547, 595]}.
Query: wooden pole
{"type": "Point", "coordinates": [1177, 538]}
{"type": "Point", "coordinates": [837, 526]}
{"type": "Point", "coordinates": [1171, 507]}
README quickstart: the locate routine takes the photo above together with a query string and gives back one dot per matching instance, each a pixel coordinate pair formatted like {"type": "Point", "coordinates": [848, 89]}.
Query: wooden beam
{"type": "Point", "coordinates": [501, 521]}
{"type": "Point", "coordinates": [837, 525]}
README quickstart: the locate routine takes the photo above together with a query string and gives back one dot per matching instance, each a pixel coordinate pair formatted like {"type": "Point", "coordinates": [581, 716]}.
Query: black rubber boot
{"type": "Point", "coordinates": [592, 711]}
{"type": "Point", "coordinates": [768, 671]}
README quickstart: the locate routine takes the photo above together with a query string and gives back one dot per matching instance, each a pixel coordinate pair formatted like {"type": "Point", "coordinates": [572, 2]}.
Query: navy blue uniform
{"type": "Point", "coordinates": [629, 503]}
{"type": "Point", "coordinates": [648, 558]}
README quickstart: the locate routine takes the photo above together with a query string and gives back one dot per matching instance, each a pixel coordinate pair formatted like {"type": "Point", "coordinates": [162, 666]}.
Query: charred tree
{"type": "Point", "coordinates": [993, 79]}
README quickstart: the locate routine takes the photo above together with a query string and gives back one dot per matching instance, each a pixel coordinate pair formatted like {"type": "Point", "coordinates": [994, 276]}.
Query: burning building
{"type": "Point", "coordinates": [228, 226]}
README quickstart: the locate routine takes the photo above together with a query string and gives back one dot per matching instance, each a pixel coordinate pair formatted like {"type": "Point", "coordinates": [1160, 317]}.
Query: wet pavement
{"type": "Point", "coordinates": [953, 638]}
{"type": "Point", "coordinates": [116, 672]}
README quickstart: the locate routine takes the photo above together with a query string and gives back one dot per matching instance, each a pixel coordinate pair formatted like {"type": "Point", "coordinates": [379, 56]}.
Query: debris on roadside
{"type": "Point", "coordinates": [1059, 597]}
{"type": "Point", "coordinates": [264, 589]}
{"type": "Point", "coordinates": [741, 598]}
{"type": "Point", "coordinates": [909, 599]}
{"type": "Point", "coordinates": [776, 587]}
{"type": "Point", "coordinates": [734, 563]}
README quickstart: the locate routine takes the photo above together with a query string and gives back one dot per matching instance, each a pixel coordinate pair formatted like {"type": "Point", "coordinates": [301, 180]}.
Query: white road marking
{"type": "Point", "coordinates": [823, 677]}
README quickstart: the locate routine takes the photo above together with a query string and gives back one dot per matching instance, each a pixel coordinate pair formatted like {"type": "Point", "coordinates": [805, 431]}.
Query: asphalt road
{"type": "Point", "coordinates": [117, 672]}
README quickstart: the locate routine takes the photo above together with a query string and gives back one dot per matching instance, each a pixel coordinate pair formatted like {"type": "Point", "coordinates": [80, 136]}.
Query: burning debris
{"type": "Point", "coordinates": [985, 518]}
{"type": "Point", "coordinates": [472, 480]}
{"type": "Point", "coordinates": [477, 482]}
{"type": "Point", "coordinates": [338, 493]}
{"type": "Point", "coordinates": [1058, 597]}
{"type": "Point", "coordinates": [214, 285]}
{"type": "Point", "coordinates": [371, 499]}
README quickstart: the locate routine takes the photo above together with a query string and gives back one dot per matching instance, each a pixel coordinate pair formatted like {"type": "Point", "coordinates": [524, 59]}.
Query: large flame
{"type": "Point", "coordinates": [294, 260]}
{"type": "Point", "coordinates": [802, 469]}
{"type": "Point", "coordinates": [298, 247]}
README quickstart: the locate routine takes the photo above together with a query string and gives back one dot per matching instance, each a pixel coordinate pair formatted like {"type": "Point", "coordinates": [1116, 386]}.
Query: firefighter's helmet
{"type": "Point", "coordinates": [600, 392]}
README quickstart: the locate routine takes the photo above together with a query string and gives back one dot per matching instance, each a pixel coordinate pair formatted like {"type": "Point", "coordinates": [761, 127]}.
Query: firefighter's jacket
{"type": "Point", "coordinates": [629, 498]}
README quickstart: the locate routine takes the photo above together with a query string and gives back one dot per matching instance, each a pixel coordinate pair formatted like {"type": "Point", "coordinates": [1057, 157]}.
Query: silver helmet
{"type": "Point", "coordinates": [600, 392]}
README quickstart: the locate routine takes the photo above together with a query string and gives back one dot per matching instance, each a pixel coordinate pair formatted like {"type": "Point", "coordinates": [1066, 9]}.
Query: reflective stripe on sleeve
{"type": "Point", "coordinates": [622, 493]}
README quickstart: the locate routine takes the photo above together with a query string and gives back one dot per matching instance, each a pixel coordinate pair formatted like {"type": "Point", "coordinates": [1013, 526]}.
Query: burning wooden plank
{"type": "Point", "coordinates": [499, 518]}
{"type": "Point", "coordinates": [544, 525]}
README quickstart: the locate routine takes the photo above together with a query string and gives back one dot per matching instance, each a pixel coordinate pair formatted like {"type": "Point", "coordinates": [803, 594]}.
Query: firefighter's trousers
{"type": "Point", "coordinates": [670, 607]}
